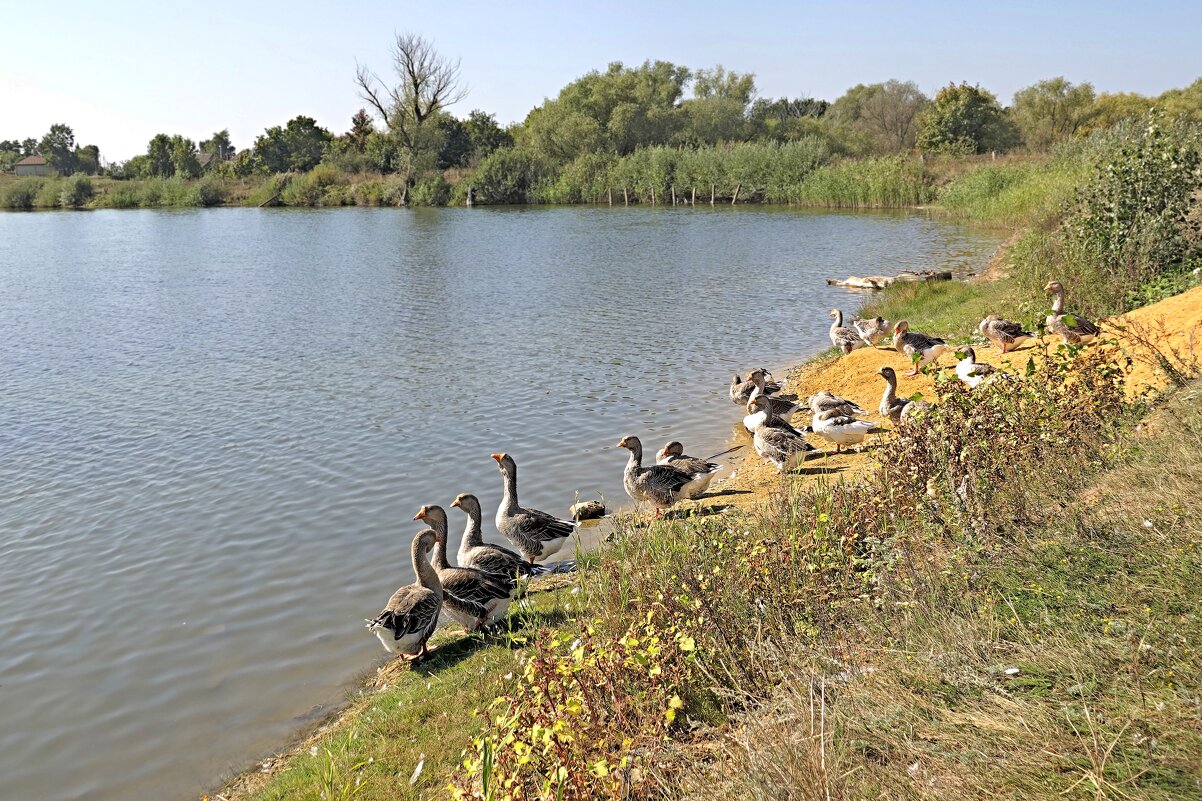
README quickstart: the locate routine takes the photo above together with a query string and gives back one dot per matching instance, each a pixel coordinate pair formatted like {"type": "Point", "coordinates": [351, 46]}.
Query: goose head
{"type": "Point", "coordinates": [888, 374]}
{"type": "Point", "coordinates": [673, 448]}
{"type": "Point", "coordinates": [1053, 287]}
{"type": "Point", "coordinates": [901, 327]}
{"type": "Point", "coordinates": [433, 516]}
{"type": "Point", "coordinates": [467, 503]}
{"type": "Point", "coordinates": [506, 464]}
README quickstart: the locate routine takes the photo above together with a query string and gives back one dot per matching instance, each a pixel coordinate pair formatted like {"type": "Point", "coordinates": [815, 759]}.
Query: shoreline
{"type": "Point", "coordinates": [751, 481]}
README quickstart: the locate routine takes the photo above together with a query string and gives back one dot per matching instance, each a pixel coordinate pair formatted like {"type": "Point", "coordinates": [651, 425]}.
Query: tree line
{"type": "Point", "coordinates": [596, 123]}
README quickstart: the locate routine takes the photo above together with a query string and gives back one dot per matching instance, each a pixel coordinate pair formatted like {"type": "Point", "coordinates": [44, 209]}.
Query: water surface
{"type": "Point", "coordinates": [216, 426]}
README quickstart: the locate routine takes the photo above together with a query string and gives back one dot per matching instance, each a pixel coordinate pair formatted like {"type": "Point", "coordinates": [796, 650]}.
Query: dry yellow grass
{"type": "Point", "coordinates": [1174, 324]}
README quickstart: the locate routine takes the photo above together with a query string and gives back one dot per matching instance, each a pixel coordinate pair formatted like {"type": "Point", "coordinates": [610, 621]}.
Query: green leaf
{"type": "Point", "coordinates": [917, 396]}
{"type": "Point", "coordinates": [1069, 320]}
{"type": "Point", "coordinates": [1030, 367]}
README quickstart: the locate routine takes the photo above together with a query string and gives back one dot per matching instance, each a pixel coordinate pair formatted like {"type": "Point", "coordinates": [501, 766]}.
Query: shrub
{"type": "Point", "coordinates": [48, 194]}
{"type": "Point", "coordinates": [309, 189]}
{"type": "Point", "coordinates": [210, 191]}
{"type": "Point", "coordinates": [431, 191]}
{"type": "Point", "coordinates": [21, 194]}
{"type": "Point", "coordinates": [76, 191]}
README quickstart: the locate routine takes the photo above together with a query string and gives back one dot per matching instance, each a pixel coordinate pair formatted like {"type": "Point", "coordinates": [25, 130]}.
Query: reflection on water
{"type": "Point", "coordinates": [217, 425]}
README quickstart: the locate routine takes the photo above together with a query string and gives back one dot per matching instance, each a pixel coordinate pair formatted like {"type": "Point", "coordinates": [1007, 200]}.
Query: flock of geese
{"type": "Point", "coordinates": [488, 578]}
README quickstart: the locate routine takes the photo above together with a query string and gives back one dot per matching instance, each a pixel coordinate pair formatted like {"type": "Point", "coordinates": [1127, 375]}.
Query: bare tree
{"type": "Point", "coordinates": [426, 83]}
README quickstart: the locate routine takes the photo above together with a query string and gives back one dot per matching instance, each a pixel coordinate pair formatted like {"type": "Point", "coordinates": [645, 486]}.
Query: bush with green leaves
{"type": "Point", "coordinates": [75, 191]}
{"type": "Point", "coordinates": [21, 195]}
{"type": "Point", "coordinates": [1129, 234]}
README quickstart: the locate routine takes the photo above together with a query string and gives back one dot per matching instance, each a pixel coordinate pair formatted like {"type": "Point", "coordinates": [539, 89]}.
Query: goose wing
{"type": "Point", "coordinates": [692, 465]}
{"type": "Point", "coordinates": [921, 342]}
{"type": "Point", "coordinates": [538, 526]}
{"type": "Point", "coordinates": [413, 609]}
{"type": "Point", "coordinates": [662, 480]}
{"type": "Point", "coordinates": [473, 589]}
{"type": "Point", "coordinates": [782, 441]}
{"type": "Point", "coordinates": [1004, 329]}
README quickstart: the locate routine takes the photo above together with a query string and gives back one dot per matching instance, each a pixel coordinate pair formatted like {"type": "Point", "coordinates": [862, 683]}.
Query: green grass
{"type": "Point", "coordinates": [1013, 195]}
{"type": "Point", "coordinates": [425, 715]}
{"type": "Point", "coordinates": [948, 309]}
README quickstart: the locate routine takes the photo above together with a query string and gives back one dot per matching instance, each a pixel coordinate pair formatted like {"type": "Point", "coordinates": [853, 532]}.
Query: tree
{"type": "Point", "coordinates": [1051, 111]}
{"type": "Point", "coordinates": [29, 146]}
{"type": "Point", "coordinates": [361, 128]}
{"type": "Point", "coordinates": [615, 111]}
{"type": "Point", "coordinates": [965, 119]}
{"type": "Point", "coordinates": [456, 150]}
{"type": "Point", "coordinates": [297, 146]}
{"type": "Point", "coordinates": [58, 148]}
{"type": "Point", "coordinates": [427, 83]}
{"type": "Point", "coordinates": [183, 157]}
{"type": "Point", "coordinates": [158, 157]}
{"type": "Point", "coordinates": [219, 145]}
{"type": "Point", "coordinates": [88, 159]}
{"type": "Point", "coordinates": [1111, 109]}
{"type": "Point", "coordinates": [485, 134]}
{"type": "Point", "coordinates": [1185, 103]}
{"type": "Point", "coordinates": [718, 110]}
{"type": "Point", "coordinates": [885, 115]}
{"type": "Point", "coordinates": [10, 154]}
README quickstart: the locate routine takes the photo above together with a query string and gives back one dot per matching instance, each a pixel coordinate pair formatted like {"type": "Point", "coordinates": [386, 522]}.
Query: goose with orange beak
{"type": "Point", "coordinates": [534, 533]}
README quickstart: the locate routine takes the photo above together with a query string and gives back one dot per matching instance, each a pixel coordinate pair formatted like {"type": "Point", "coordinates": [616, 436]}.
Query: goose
{"type": "Point", "coordinates": [535, 534]}
{"type": "Point", "coordinates": [841, 429]}
{"type": "Point", "coordinates": [844, 338]}
{"type": "Point", "coordinates": [920, 349]}
{"type": "Point", "coordinates": [771, 385]}
{"type": "Point", "coordinates": [782, 408]}
{"type": "Point", "coordinates": [661, 485]}
{"type": "Point", "coordinates": [484, 556]}
{"type": "Point", "coordinates": [1003, 333]}
{"type": "Point", "coordinates": [1072, 328]}
{"type": "Point", "coordinates": [892, 406]}
{"type": "Point", "coordinates": [775, 440]}
{"type": "Point", "coordinates": [972, 372]}
{"type": "Point", "coordinates": [472, 597]}
{"type": "Point", "coordinates": [827, 401]}
{"type": "Point", "coordinates": [740, 391]}
{"type": "Point", "coordinates": [703, 471]}
{"type": "Point", "coordinates": [411, 614]}
{"type": "Point", "coordinates": [871, 331]}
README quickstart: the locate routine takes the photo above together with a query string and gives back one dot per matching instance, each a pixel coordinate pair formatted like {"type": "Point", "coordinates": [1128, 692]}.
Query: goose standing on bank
{"type": "Point", "coordinates": [827, 401]}
{"type": "Point", "coordinates": [871, 331]}
{"type": "Point", "coordinates": [1072, 328]}
{"type": "Point", "coordinates": [844, 338]}
{"type": "Point", "coordinates": [411, 614]}
{"type": "Point", "coordinates": [892, 406]}
{"type": "Point", "coordinates": [740, 390]}
{"type": "Point", "coordinates": [536, 534]}
{"type": "Point", "coordinates": [1005, 334]}
{"type": "Point", "coordinates": [660, 485]}
{"type": "Point", "coordinates": [484, 556]}
{"type": "Point", "coordinates": [972, 372]}
{"type": "Point", "coordinates": [474, 598]}
{"type": "Point", "coordinates": [841, 429]}
{"type": "Point", "coordinates": [783, 409]}
{"type": "Point", "coordinates": [920, 349]}
{"type": "Point", "coordinates": [703, 471]}
{"type": "Point", "coordinates": [774, 439]}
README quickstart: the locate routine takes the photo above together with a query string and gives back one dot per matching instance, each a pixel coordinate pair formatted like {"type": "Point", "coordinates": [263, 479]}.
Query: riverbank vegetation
{"type": "Point", "coordinates": [1000, 600]}
{"type": "Point", "coordinates": [657, 133]}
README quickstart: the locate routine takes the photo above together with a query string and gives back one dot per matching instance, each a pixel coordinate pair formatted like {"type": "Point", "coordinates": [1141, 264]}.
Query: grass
{"type": "Point", "coordinates": [949, 309]}
{"type": "Point", "coordinates": [425, 716]}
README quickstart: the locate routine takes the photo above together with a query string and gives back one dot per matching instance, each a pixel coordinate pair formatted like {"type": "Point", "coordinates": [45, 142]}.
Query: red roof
{"type": "Point", "coordinates": [30, 161]}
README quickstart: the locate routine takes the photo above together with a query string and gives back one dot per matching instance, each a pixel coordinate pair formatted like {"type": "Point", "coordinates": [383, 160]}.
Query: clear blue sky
{"type": "Point", "coordinates": [119, 72]}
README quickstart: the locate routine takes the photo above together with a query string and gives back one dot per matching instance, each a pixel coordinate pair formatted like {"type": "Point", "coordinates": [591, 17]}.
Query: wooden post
{"type": "Point", "coordinates": [610, 194]}
{"type": "Point", "coordinates": [673, 194]}
{"type": "Point", "coordinates": [471, 196]}
{"type": "Point", "coordinates": [693, 201]}
{"type": "Point", "coordinates": [711, 194]}
{"type": "Point", "coordinates": [653, 196]}
{"type": "Point", "coordinates": [735, 199]}
{"type": "Point", "coordinates": [625, 197]}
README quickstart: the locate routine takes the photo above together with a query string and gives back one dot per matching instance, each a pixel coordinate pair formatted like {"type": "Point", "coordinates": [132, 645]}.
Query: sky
{"type": "Point", "coordinates": [120, 72]}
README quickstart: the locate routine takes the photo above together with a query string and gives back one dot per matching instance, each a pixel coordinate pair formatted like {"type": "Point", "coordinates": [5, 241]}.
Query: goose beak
{"type": "Point", "coordinates": [421, 515]}
{"type": "Point", "coordinates": [622, 443]}
{"type": "Point", "coordinates": [455, 504]}
{"type": "Point", "coordinates": [498, 457]}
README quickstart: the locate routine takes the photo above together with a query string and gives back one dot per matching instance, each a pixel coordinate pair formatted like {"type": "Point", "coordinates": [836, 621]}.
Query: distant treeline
{"type": "Point", "coordinates": [653, 133]}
